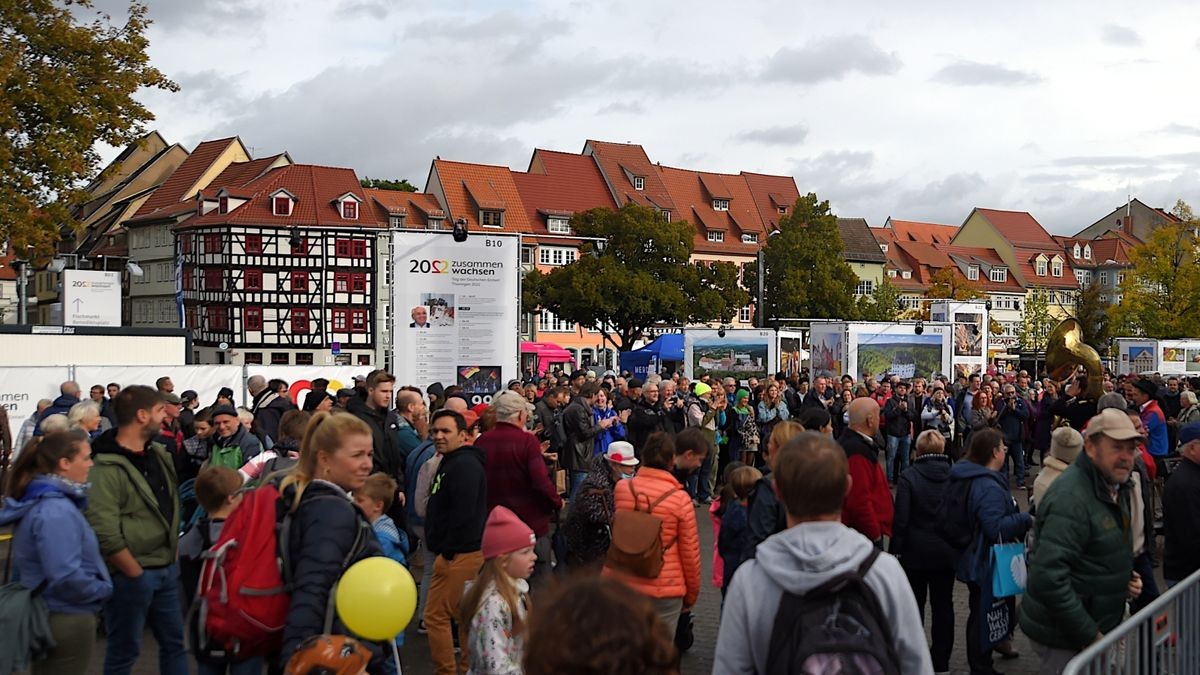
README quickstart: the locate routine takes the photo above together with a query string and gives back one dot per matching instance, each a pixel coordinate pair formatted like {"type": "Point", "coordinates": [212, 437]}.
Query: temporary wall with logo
{"type": "Point", "coordinates": [205, 380]}
{"type": "Point", "coordinates": [21, 388]}
{"type": "Point", "coordinates": [299, 378]}
{"type": "Point", "coordinates": [455, 308]}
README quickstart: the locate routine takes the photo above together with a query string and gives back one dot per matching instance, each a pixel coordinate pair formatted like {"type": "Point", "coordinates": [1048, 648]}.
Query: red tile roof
{"type": "Point", "coordinates": [315, 188]}
{"type": "Point", "coordinates": [1106, 250]}
{"type": "Point", "coordinates": [416, 207]}
{"type": "Point", "coordinates": [1018, 227]}
{"type": "Point", "coordinates": [985, 258]}
{"type": "Point", "coordinates": [468, 188]}
{"type": "Point", "coordinates": [691, 192]}
{"type": "Point", "coordinates": [618, 161]}
{"type": "Point", "coordinates": [769, 194]}
{"type": "Point", "coordinates": [167, 200]}
{"type": "Point", "coordinates": [560, 183]}
{"type": "Point", "coordinates": [930, 233]}
{"type": "Point", "coordinates": [1026, 258]}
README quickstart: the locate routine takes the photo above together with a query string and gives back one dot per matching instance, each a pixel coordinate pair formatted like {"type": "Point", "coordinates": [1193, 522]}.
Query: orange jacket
{"type": "Point", "coordinates": [680, 576]}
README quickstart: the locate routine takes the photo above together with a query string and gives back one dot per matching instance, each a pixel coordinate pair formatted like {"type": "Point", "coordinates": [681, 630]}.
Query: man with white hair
{"type": "Point", "coordinates": [518, 477]}
{"type": "Point", "coordinates": [68, 395]}
{"type": "Point", "coordinates": [25, 433]}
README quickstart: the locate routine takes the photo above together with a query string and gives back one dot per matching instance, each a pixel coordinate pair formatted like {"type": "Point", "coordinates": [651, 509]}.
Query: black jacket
{"type": "Point", "coordinates": [645, 420]}
{"type": "Point", "coordinates": [268, 410]}
{"type": "Point", "coordinates": [915, 540]}
{"type": "Point", "coordinates": [1181, 518]}
{"type": "Point", "coordinates": [813, 400]}
{"type": "Point", "coordinates": [766, 515]}
{"type": "Point", "coordinates": [328, 533]}
{"type": "Point", "coordinates": [385, 435]}
{"type": "Point", "coordinates": [898, 422]}
{"type": "Point", "coordinates": [552, 429]}
{"type": "Point", "coordinates": [1077, 413]}
{"type": "Point", "coordinates": [581, 430]}
{"type": "Point", "coordinates": [457, 509]}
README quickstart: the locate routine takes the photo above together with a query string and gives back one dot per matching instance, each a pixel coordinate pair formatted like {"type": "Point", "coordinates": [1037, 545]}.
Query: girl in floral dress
{"type": "Point", "coordinates": [497, 602]}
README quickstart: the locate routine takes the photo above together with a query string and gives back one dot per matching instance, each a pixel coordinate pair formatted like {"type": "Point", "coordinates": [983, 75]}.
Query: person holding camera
{"type": "Point", "coordinates": [938, 416]}
{"type": "Point", "coordinates": [1012, 412]}
{"type": "Point", "coordinates": [899, 414]}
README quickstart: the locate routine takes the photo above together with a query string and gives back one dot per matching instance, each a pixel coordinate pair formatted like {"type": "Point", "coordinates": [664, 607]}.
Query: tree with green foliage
{"type": "Point", "coordinates": [401, 185]}
{"type": "Point", "coordinates": [68, 86]}
{"type": "Point", "coordinates": [1036, 321]}
{"type": "Point", "coordinates": [642, 277]}
{"type": "Point", "coordinates": [1092, 314]}
{"type": "Point", "coordinates": [1161, 294]}
{"type": "Point", "coordinates": [806, 275]}
{"type": "Point", "coordinates": [883, 304]}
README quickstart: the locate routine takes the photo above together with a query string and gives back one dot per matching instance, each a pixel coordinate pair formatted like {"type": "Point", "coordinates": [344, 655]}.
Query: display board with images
{"type": "Point", "coordinates": [896, 349]}
{"type": "Point", "coordinates": [1178, 357]}
{"type": "Point", "coordinates": [827, 349]}
{"type": "Point", "coordinates": [791, 352]}
{"type": "Point", "coordinates": [455, 311]}
{"type": "Point", "coordinates": [740, 353]}
{"type": "Point", "coordinates": [1137, 356]}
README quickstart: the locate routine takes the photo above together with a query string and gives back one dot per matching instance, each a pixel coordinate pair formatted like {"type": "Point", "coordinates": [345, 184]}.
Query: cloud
{"type": "Point", "coordinates": [972, 73]}
{"type": "Point", "coordinates": [375, 9]}
{"type": "Point", "coordinates": [622, 108]}
{"type": "Point", "coordinates": [1180, 130]}
{"type": "Point", "coordinates": [1120, 36]}
{"type": "Point", "coordinates": [191, 14]}
{"type": "Point", "coordinates": [793, 134]}
{"type": "Point", "coordinates": [952, 188]}
{"type": "Point", "coordinates": [830, 58]}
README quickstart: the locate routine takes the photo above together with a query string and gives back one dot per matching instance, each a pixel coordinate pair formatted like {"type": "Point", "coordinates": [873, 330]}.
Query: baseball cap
{"type": "Point", "coordinates": [1189, 433]}
{"type": "Point", "coordinates": [1112, 423]}
{"type": "Point", "coordinates": [621, 452]}
{"type": "Point", "coordinates": [360, 378]}
{"type": "Point", "coordinates": [171, 398]}
{"type": "Point", "coordinates": [190, 395]}
{"type": "Point", "coordinates": [344, 392]}
{"type": "Point", "coordinates": [634, 383]}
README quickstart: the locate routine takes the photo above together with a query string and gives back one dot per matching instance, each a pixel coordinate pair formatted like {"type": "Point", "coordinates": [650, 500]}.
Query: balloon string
{"type": "Point", "coordinates": [396, 656]}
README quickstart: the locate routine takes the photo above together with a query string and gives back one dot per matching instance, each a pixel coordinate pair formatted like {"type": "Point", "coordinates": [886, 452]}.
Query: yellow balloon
{"type": "Point", "coordinates": [376, 598]}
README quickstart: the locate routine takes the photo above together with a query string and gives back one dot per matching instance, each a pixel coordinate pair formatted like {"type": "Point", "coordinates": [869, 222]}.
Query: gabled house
{"type": "Point", "coordinates": [1031, 255]}
{"type": "Point", "coordinates": [1104, 261]}
{"type": "Point", "coordinates": [630, 176]}
{"type": "Point", "coordinates": [862, 251]}
{"type": "Point", "coordinates": [280, 264]}
{"type": "Point", "coordinates": [1133, 218]}
{"type": "Point", "coordinates": [912, 230]}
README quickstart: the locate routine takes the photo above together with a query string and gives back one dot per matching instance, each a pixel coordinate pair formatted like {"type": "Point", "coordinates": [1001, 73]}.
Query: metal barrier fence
{"type": "Point", "coordinates": [1163, 638]}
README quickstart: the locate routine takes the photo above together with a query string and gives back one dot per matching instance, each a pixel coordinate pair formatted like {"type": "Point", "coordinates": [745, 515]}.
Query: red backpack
{"type": "Point", "coordinates": [242, 596]}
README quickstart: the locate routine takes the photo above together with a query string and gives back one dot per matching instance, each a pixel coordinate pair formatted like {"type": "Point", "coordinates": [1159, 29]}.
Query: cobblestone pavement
{"type": "Point", "coordinates": [699, 660]}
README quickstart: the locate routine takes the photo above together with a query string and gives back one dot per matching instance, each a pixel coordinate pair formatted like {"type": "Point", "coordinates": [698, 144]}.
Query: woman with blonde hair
{"type": "Point", "coordinates": [327, 532]}
{"type": "Point", "coordinates": [85, 416]}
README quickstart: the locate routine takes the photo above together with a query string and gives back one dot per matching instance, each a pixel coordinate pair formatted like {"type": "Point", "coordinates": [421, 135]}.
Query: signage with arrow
{"type": "Point", "coordinates": [91, 298]}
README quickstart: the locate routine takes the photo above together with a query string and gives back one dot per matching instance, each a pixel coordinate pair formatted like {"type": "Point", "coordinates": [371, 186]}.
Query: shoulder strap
{"type": "Point", "coordinates": [663, 497]}
{"type": "Point", "coordinates": [867, 563]}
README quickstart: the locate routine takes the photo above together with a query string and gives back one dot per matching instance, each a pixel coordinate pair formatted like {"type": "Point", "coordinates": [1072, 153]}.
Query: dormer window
{"type": "Point", "coordinates": [973, 273]}
{"type": "Point", "coordinates": [1087, 251]}
{"type": "Point", "coordinates": [883, 247]}
{"type": "Point", "coordinates": [783, 210]}
{"type": "Point", "coordinates": [350, 210]}
{"type": "Point", "coordinates": [491, 218]}
{"type": "Point", "coordinates": [998, 275]}
{"type": "Point", "coordinates": [1075, 251]}
{"type": "Point", "coordinates": [906, 274]}
{"type": "Point", "coordinates": [433, 224]}
{"type": "Point", "coordinates": [639, 183]}
{"type": "Point", "coordinates": [1056, 268]}
{"type": "Point", "coordinates": [750, 238]}
{"type": "Point", "coordinates": [666, 215]}
{"type": "Point", "coordinates": [892, 274]}
{"type": "Point", "coordinates": [223, 204]}
{"type": "Point", "coordinates": [396, 222]}
{"type": "Point", "coordinates": [720, 205]}
{"type": "Point", "coordinates": [716, 236]}
{"type": "Point", "coordinates": [281, 205]}
{"type": "Point", "coordinates": [558, 225]}
{"type": "Point", "coordinates": [1040, 267]}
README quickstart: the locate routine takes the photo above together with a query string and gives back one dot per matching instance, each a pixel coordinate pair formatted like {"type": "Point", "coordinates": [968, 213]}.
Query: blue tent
{"type": "Point", "coordinates": [642, 361]}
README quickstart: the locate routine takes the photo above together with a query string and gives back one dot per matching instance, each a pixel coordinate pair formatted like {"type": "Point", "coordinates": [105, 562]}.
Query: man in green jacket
{"type": "Point", "coordinates": [134, 509]}
{"type": "Point", "coordinates": [1081, 573]}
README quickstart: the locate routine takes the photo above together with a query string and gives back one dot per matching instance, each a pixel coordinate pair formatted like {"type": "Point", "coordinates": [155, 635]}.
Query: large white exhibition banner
{"type": "Point", "coordinates": [206, 381]}
{"type": "Point", "coordinates": [21, 389]}
{"type": "Point", "coordinates": [455, 310]}
{"type": "Point", "coordinates": [740, 354]}
{"type": "Point", "coordinates": [898, 349]}
{"type": "Point", "coordinates": [299, 378]}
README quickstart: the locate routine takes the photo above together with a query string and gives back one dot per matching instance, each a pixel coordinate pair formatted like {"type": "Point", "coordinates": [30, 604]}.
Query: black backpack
{"type": "Point", "coordinates": [837, 627]}
{"type": "Point", "coordinates": [954, 522]}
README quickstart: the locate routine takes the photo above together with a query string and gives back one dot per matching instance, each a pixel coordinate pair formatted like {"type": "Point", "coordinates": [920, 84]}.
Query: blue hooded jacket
{"type": "Point", "coordinates": [53, 542]}
{"type": "Point", "coordinates": [995, 516]}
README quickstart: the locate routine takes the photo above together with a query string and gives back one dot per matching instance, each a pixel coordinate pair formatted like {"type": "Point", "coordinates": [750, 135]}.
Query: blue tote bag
{"type": "Point", "coordinates": [1008, 570]}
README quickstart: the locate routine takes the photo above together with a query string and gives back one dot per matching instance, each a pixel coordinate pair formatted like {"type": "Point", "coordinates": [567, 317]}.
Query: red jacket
{"type": "Point", "coordinates": [868, 508]}
{"type": "Point", "coordinates": [517, 476]}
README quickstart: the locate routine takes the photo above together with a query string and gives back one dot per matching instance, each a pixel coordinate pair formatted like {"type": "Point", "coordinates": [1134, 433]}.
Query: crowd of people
{"type": "Point", "coordinates": [843, 502]}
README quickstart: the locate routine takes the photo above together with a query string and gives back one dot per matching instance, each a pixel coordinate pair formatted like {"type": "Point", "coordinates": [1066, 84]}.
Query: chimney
{"type": "Point", "coordinates": [1127, 225]}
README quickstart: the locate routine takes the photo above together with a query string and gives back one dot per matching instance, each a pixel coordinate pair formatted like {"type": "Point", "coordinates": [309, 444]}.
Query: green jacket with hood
{"type": "Point", "coordinates": [123, 510]}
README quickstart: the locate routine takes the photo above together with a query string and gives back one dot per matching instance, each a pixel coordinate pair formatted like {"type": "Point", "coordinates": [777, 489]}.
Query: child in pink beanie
{"type": "Point", "coordinates": [497, 602]}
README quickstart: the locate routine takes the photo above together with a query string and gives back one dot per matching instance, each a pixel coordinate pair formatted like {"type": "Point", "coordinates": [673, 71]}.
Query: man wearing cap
{"type": "Point", "coordinates": [169, 434]}
{"type": "Point", "coordinates": [229, 432]}
{"type": "Point", "coordinates": [517, 475]}
{"type": "Point", "coordinates": [187, 413]}
{"type": "Point", "coordinates": [577, 379]}
{"type": "Point", "coordinates": [1181, 510]}
{"type": "Point", "coordinates": [320, 390]}
{"type": "Point", "coordinates": [1081, 573]}
{"type": "Point", "coordinates": [1143, 393]}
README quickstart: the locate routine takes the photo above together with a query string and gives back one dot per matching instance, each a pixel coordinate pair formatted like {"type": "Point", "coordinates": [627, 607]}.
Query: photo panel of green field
{"type": "Point", "coordinates": [897, 349]}
{"type": "Point", "coordinates": [740, 354]}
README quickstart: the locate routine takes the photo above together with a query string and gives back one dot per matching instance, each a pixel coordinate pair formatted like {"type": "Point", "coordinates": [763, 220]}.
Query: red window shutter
{"type": "Point", "coordinates": [223, 205]}
{"type": "Point", "coordinates": [342, 248]}
{"type": "Point", "coordinates": [301, 248]}
{"type": "Point", "coordinates": [299, 320]}
{"type": "Point", "coordinates": [299, 281]}
{"type": "Point", "coordinates": [360, 248]}
{"type": "Point", "coordinates": [254, 318]}
{"type": "Point", "coordinates": [212, 279]}
{"type": "Point", "coordinates": [254, 244]}
{"type": "Point", "coordinates": [358, 282]}
{"type": "Point", "coordinates": [350, 210]}
{"type": "Point", "coordinates": [282, 206]}
{"type": "Point", "coordinates": [253, 280]}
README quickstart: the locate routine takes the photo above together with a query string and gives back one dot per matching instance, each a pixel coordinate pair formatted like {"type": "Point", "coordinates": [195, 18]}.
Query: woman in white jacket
{"type": "Point", "coordinates": [497, 602]}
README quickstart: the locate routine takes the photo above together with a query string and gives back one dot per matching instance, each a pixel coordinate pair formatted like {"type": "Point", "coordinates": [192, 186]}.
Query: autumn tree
{"type": "Point", "coordinates": [1161, 294]}
{"type": "Point", "coordinates": [642, 277]}
{"type": "Point", "coordinates": [401, 185]}
{"type": "Point", "coordinates": [68, 85]}
{"type": "Point", "coordinates": [1092, 314]}
{"type": "Point", "coordinates": [883, 304]}
{"type": "Point", "coordinates": [1036, 321]}
{"type": "Point", "coordinates": [806, 274]}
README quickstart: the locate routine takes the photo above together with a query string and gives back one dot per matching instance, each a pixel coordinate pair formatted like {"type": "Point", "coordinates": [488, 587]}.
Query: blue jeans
{"type": "Point", "coordinates": [897, 445]}
{"type": "Point", "coordinates": [152, 598]}
{"type": "Point", "coordinates": [1016, 453]}
{"type": "Point", "coordinates": [252, 666]}
{"type": "Point", "coordinates": [576, 480]}
{"type": "Point", "coordinates": [698, 483]}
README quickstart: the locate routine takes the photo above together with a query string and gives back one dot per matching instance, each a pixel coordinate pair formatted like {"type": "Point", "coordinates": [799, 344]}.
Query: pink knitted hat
{"type": "Point", "coordinates": [505, 533]}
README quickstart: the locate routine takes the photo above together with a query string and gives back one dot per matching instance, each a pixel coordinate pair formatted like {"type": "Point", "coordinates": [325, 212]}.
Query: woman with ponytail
{"type": "Point", "coordinates": [328, 532]}
{"type": "Point", "coordinates": [53, 546]}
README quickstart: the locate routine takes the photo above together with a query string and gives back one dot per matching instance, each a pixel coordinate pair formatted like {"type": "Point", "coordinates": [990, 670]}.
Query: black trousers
{"type": "Point", "coordinates": [939, 586]}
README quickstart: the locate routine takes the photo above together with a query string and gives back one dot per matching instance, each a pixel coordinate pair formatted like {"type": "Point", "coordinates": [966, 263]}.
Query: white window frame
{"type": "Point", "coordinates": [891, 274]}
{"type": "Point", "coordinates": [1103, 278]}
{"type": "Point", "coordinates": [998, 275]}
{"type": "Point", "coordinates": [639, 183]}
{"type": "Point", "coordinates": [434, 224]}
{"type": "Point", "coordinates": [906, 274]}
{"type": "Point", "coordinates": [972, 272]}
{"type": "Point", "coordinates": [666, 215]}
{"type": "Point", "coordinates": [750, 238]}
{"type": "Point", "coordinates": [1120, 278]}
{"type": "Point", "coordinates": [558, 225]}
{"type": "Point", "coordinates": [1056, 268]}
{"type": "Point", "coordinates": [883, 247]}
{"type": "Point", "coordinates": [1040, 268]}
{"type": "Point", "coordinates": [864, 287]}
{"type": "Point", "coordinates": [484, 219]}
{"type": "Point", "coordinates": [396, 222]}
{"type": "Point", "coordinates": [548, 323]}
{"type": "Point", "coordinates": [557, 256]}
{"type": "Point", "coordinates": [1087, 251]}
{"type": "Point", "coordinates": [1075, 251]}
{"type": "Point", "coordinates": [745, 314]}
{"type": "Point", "coordinates": [716, 236]}
{"type": "Point", "coordinates": [720, 205]}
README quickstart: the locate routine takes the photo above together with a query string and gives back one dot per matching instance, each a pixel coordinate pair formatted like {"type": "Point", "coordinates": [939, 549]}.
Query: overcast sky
{"type": "Point", "coordinates": [917, 110]}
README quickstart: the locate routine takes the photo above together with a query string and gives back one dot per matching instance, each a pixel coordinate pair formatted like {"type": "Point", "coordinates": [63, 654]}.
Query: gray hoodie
{"type": "Point", "coordinates": [799, 559]}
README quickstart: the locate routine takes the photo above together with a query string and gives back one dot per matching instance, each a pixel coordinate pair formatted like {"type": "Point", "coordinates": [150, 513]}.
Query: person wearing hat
{"type": "Point", "coordinates": [517, 476]}
{"type": "Point", "coordinates": [1144, 394]}
{"type": "Point", "coordinates": [1065, 444]}
{"type": "Point", "coordinates": [497, 604]}
{"type": "Point", "coordinates": [705, 411]}
{"type": "Point", "coordinates": [187, 414]}
{"type": "Point", "coordinates": [1181, 510]}
{"type": "Point", "coordinates": [1081, 573]}
{"type": "Point", "coordinates": [170, 434]}
{"type": "Point", "coordinates": [232, 444]}
{"type": "Point", "coordinates": [319, 391]}
{"type": "Point", "coordinates": [578, 377]}
{"type": "Point", "coordinates": [585, 529]}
